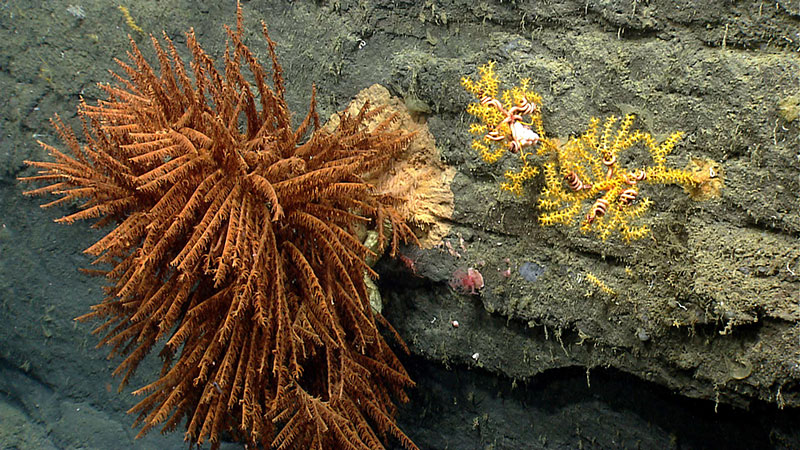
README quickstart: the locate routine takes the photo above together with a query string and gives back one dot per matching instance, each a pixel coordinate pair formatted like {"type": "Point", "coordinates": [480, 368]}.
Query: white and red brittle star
{"type": "Point", "coordinates": [521, 134]}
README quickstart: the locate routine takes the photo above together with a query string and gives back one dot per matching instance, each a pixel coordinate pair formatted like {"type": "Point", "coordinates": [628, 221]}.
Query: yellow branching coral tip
{"type": "Point", "coordinates": [517, 179]}
{"type": "Point", "coordinates": [600, 284]}
{"type": "Point", "coordinates": [129, 19]}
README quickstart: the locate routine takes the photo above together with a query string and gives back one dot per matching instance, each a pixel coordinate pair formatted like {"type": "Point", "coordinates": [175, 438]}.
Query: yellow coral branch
{"type": "Point", "coordinates": [590, 277]}
{"type": "Point", "coordinates": [129, 19]}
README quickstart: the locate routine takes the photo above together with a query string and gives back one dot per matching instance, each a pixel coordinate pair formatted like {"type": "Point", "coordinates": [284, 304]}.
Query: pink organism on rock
{"type": "Point", "coordinates": [468, 281]}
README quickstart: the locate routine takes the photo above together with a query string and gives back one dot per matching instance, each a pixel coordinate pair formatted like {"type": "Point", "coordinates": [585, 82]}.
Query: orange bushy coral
{"type": "Point", "coordinates": [234, 239]}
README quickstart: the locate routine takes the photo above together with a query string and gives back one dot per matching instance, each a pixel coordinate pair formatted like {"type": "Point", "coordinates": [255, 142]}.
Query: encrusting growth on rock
{"type": "Point", "coordinates": [420, 178]}
{"type": "Point", "coordinates": [233, 239]}
{"type": "Point", "coordinates": [586, 170]}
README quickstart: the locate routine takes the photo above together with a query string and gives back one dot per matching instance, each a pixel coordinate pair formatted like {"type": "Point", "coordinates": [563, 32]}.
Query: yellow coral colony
{"type": "Point", "coordinates": [503, 126]}
{"type": "Point", "coordinates": [585, 171]}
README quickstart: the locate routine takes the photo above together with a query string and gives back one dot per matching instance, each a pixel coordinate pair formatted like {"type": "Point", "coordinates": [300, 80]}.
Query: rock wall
{"type": "Point", "coordinates": [706, 308]}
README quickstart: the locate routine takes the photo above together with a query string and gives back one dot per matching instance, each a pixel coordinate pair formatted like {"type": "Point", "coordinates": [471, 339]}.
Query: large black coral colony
{"type": "Point", "coordinates": [233, 238]}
